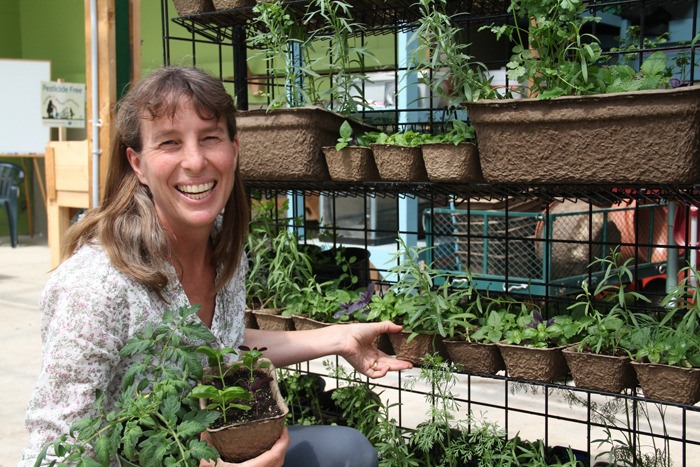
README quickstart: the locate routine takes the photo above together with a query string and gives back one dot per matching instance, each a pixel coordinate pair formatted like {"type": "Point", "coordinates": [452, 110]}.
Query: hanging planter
{"type": "Point", "coordinates": [399, 163]}
{"type": "Point", "coordinates": [627, 137]}
{"type": "Point", "coordinates": [192, 7]}
{"type": "Point", "coordinates": [231, 4]}
{"type": "Point", "coordinates": [600, 372]}
{"type": "Point", "coordinates": [417, 348]}
{"type": "Point", "coordinates": [286, 144]}
{"type": "Point", "coordinates": [534, 363]}
{"type": "Point", "coordinates": [669, 383]}
{"type": "Point", "coordinates": [475, 357]}
{"type": "Point", "coordinates": [351, 164]}
{"type": "Point", "coordinates": [452, 163]}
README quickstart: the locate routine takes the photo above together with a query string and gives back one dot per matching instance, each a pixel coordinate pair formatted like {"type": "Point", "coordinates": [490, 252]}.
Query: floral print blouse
{"type": "Point", "coordinates": [89, 309]}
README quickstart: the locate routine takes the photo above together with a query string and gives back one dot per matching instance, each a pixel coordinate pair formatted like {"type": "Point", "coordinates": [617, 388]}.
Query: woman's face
{"type": "Point", "coordinates": [188, 164]}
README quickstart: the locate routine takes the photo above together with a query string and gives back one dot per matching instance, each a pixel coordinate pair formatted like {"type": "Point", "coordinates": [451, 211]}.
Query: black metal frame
{"type": "Point", "coordinates": [227, 31]}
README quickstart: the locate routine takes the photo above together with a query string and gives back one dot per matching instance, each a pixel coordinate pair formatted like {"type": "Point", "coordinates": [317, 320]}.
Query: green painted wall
{"type": "Point", "coordinates": [10, 34]}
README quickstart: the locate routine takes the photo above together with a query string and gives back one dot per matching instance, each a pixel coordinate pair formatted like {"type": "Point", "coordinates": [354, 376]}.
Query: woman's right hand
{"type": "Point", "coordinates": [274, 457]}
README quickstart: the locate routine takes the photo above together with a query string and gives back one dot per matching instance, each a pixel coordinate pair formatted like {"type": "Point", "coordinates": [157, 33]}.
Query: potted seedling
{"type": "Point", "coordinates": [532, 350]}
{"type": "Point", "coordinates": [351, 159]}
{"type": "Point", "coordinates": [666, 351]}
{"type": "Point", "coordinates": [474, 348]}
{"type": "Point", "coordinates": [423, 298]}
{"type": "Point", "coordinates": [287, 268]}
{"type": "Point", "coordinates": [247, 396]}
{"type": "Point", "coordinates": [578, 109]}
{"type": "Point", "coordinates": [398, 156]}
{"type": "Point", "coordinates": [599, 361]}
{"type": "Point", "coordinates": [453, 156]}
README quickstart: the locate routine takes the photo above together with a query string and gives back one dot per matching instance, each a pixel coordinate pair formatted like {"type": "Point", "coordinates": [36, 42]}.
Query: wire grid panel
{"type": "Point", "coordinates": [531, 250]}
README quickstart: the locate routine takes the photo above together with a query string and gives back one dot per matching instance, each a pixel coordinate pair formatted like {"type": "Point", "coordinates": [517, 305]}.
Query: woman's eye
{"type": "Point", "coordinates": [168, 143]}
{"type": "Point", "coordinates": [211, 139]}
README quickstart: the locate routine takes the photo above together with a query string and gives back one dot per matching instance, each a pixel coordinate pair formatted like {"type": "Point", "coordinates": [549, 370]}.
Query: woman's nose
{"type": "Point", "coordinates": [194, 157]}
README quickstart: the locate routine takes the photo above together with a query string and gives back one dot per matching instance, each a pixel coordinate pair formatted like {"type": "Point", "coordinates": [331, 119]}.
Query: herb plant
{"type": "Point", "coordinates": [533, 330]}
{"type": "Point", "coordinates": [556, 58]}
{"type": "Point", "coordinates": [344, 52]}
{"type": "Point", "coordinates": [432, 300]}
{"type": "Point", "coordinates": [275, 35]}
{"type": "Point", "coordinates": [442, 61]}
{"type": "Point", "coordinates": [605, 312]}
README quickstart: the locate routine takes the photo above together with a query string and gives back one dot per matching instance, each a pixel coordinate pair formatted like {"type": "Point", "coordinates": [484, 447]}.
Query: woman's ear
{"type": "Point", "coordinates": [134, 159]}
{"type": "Point", "coordinates": [236, 146]}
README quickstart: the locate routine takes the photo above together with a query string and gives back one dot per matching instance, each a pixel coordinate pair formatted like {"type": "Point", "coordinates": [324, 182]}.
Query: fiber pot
{"type": "Point", "coordinates": [452, 163]}
{"type": "Point", "coordinates": [271, 319]}
{"type": "Point", "coordinates": [534, 364]}
{"type": "Point", "coordinates": [669, 383]}
{"type": "Point", "coordinates": [399, 163]}
{"type": "Point", "coordinates": [351, 164]}
{"type": "Point", "coordinates": [416, 350]}
{"type": "Point", "coordinates": [238, 442]}
{"type": "Point", "coordinates": [229, 4]}
{"type": "Point", "coordinates": [286, 144]}
{"type": "Point", "coordinates": [475, 357]}
{"type": "Point", "coordinates": [630, 137]}
{"type": "Point", "coordinates": [609, 373]}
{"type": "Point", "coordinates": [192, 7]}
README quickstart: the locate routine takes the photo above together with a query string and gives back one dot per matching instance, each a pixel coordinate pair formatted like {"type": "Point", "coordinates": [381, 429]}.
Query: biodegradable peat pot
{"type": "Point", "coordinates": [193, 7]}
{"type": "Point", "coordinates": [305, 323]}
{"type": "Point", "coordinates": [416, 350]}
{"type": "Point", "coordinates": [452, 163]}
{"type": "Point", "coordinates": [230, 4]}
{"type": "Point", "coordinates": [630, 137]}
{"type": "Point", "coordinates": [399, 163]}
{"type": "Point", "coordinates": [600, 372]}
{"type": "Point", "coordinates": [669, 383]}
{"type": "Point", "coordinates": [351, 164]}
{"type": "Point", "coordinates": [238, 442]}
{"type": "Point", "coordinates": [271, 319]}
{"type": "Point", "coordinates": [475, 357]}
{"type": "Point", "coordinates": [286, 144]}
{"type": "Point", "coordinates": [534, 364]}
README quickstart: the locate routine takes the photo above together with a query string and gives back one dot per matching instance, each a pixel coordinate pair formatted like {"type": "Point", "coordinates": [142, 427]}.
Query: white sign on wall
{"type": "Point", "coordinates": [63, 104]}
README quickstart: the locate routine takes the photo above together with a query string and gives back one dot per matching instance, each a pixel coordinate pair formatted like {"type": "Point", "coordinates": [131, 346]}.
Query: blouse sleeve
{"type": "Point", "coordinates": [84, 324]}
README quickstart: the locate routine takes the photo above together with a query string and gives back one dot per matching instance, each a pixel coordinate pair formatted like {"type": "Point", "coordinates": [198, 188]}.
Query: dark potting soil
{"type": "Point", "coordinates": [262, 406]}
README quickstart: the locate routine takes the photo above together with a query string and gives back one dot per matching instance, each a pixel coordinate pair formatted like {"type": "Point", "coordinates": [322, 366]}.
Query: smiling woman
{"type": "Point", "coordinates": [170, 234]}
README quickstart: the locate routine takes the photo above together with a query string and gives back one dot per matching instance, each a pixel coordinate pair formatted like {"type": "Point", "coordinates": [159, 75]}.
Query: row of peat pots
{"type": "Point", "coordinates": [634, 137]}
{"type": "Point", "coordinates": [591, 371]}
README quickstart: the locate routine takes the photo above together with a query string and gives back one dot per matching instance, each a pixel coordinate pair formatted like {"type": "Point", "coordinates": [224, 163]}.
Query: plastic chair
{"type": "Point", "coordinates": [11, 175]}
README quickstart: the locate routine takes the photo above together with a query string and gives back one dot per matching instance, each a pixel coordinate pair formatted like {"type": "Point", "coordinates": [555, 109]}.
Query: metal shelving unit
{"type": "Point", "coordinates": [559, 412]}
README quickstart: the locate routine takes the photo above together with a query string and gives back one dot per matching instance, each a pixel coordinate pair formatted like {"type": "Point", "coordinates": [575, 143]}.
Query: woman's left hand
{"type": "Point", "coordinates": [361, 353]}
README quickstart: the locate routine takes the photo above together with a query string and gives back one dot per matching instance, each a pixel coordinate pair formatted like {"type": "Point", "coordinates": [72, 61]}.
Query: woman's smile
{"type": "Point", "coordinates": [197, 192]}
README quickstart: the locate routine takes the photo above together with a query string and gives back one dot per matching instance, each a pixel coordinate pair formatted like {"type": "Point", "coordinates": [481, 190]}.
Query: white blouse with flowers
{"type": "Point", "coordinates": [89, 310]}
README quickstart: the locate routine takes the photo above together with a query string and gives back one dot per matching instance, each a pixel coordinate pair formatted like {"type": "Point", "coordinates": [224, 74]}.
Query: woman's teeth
{"type": "Point", "coordinates": [196, 191]}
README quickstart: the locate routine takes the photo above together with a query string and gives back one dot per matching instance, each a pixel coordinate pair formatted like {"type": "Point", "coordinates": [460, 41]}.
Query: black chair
{"type": "Point", "coordinates": [11, 175]}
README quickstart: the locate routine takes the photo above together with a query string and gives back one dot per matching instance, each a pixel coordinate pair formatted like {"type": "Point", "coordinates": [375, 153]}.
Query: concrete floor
{"type": "Point", "coordinates": [23, 272]}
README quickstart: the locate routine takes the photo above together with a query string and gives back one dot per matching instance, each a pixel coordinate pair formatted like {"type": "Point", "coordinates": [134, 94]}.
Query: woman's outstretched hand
{"type": "Point", "coordinates": [272, 458]}
{"type": "Point", "coordinates": [361, 353]}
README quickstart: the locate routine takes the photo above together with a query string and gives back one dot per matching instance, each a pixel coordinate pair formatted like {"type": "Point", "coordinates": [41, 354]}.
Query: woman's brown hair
{"type": "Point", "coordinates": [125, 223]}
